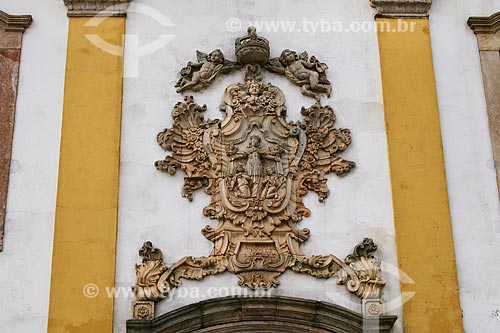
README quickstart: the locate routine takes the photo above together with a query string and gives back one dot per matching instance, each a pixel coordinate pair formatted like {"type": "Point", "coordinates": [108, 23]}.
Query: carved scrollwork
{"type": "Point", "coordinates": [192, 268]}
{"type": "Point", "coordinates": [254, 264]}
{"type": "Point", "coordinates": [148, 274]}
{"type": "Point", "coordinates": [367, 269]}
{"type": "Point", "coordinates": [256, 166]}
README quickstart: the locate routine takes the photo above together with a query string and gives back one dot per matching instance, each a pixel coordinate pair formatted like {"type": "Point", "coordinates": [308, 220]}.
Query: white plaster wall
{"type": "Point", "coordinates": [151, 207]}
{"type": "Point", "coordinates": [25, 263]}
{"type": "Point", "coordinates": [471, 180]}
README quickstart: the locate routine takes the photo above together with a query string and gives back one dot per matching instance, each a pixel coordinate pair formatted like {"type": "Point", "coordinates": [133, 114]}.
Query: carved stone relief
{"type": "Point", "coordinates": [256, 166]}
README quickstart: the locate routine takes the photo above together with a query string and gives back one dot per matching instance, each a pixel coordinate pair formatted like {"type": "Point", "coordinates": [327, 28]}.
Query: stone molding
{"type": "Point", "coordinates": [89, 8]}
{"type": "Point", "coordinates": [485, 24]}
{"type": "Point", "coordinates": [11, 35]}
{"type": "Point", "coordinates": [276, 314]}
{"type": "Point", "coordinates": [487, 30]}
{"type": "Point", "coordinates": [402, 8]}
{"type": "Point", "coordinates": [15, 23]}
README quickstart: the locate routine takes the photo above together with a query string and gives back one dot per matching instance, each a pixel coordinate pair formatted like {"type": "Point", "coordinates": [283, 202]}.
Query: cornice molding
{"type": "Point", "coordinates": [16, 23]}
{"type": "Point", "coordinates": [402, 8]}
{"type": "Point", "coordinates": [485, 24]}
{"type": "Point", "coordinates": [90, 8]}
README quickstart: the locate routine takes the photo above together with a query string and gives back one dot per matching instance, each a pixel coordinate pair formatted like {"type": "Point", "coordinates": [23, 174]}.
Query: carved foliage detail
{"type": "Point", "coordinates": [256, 166]}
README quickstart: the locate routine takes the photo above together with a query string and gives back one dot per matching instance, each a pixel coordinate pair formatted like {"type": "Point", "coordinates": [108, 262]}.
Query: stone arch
{"type": "Point", "coordinates": [263, 315]}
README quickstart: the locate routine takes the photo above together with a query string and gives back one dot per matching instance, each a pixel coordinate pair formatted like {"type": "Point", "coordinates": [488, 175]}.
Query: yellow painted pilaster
{"type": "Point", "coordinates": [87, 194]}
{"type": "Point", "coordinates": [420, 198]}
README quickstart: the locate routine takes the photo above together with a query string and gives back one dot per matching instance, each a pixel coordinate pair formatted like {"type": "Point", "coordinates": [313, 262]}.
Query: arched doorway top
{"type": "Point", "coordinates": [264, 315]}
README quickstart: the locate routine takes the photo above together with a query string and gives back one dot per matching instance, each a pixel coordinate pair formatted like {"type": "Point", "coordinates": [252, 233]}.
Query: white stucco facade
{"type": "Point", "coordinates": [150, 202]}
{"type": "Point", "coordinates": [25, 263]}
{"type": "Point", "coordinates": [470, 173]}
{"type": "Point", "coordinates": [151, 206]}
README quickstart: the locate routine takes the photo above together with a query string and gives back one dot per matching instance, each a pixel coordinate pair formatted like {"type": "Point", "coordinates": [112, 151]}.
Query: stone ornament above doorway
{"type": "Point", "coordinates": [256, 166]}
{"type": "Point", "coordinates": [12, 28]}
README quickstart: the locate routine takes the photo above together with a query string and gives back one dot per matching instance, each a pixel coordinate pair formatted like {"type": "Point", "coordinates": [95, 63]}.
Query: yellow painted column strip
{"type": "Point", "coordinates": [87, 194]}
{"type": "Point", "coordinates": [420, 198]}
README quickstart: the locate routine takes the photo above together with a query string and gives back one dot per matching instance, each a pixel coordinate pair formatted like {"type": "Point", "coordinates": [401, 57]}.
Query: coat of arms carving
{"type": "Point", "coordinates": [256, 166]}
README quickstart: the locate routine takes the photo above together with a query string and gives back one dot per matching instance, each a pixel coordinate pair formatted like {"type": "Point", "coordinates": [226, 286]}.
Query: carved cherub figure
{"type": "Point", "coordinates": [271, 185]}
{"type": "Point", "coordinates": [240, 183]}
{"type": "Point", "coordinates": [308, 73]}
{"type": "Point", "coordinates": [196, 76]}
{"type": "Point", "coordinates": [252, 94]}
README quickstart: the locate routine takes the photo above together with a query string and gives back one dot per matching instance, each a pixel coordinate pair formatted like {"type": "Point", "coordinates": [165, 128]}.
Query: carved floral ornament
{"type": "Point", "coordinates": [256, 167]}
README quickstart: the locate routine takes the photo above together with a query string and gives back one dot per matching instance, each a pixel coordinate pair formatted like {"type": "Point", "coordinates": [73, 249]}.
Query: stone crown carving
{"type": "Point", "coordinates": [89, 8]}
{"type": "Point", "coordinates": [16, 23]}
{"type": "Point", "coordinates": [402, 8]}
{"type": "Point", "coordinates": [485, 25]}
{"type": "Point", "coordinates": [252, 49]}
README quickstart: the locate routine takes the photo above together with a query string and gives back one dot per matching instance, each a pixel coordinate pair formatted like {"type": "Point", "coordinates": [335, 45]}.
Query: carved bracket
{"type": "Point", "coordinates": [359, 272]}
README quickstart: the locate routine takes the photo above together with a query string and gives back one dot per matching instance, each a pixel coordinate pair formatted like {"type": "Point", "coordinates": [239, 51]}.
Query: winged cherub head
{"type": "Point", "coordinates": [216, 57]}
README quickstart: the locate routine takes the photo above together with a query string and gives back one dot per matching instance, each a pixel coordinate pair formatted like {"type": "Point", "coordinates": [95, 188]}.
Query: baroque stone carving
{"type": "Point", "coordinates": [90, 8]}
{"type": "Point", "coordinates": [256, 166]}
{"type": "Point", "coordinates": [197, 76]}
{"type": "Point", "coordinates": [402, 8]}
{"type": "Point", "coordinates": [307, 73]}
{"type": "Point", "coordinates": [301, 70]}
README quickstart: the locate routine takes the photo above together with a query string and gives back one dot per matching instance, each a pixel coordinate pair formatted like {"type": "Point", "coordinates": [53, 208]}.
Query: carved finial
{"type": "Point", "coordinates": [363, 249]}
{"type": "Point", "coordinates": [252, 32]}
{"type": "Point", "coordinates": [367, 269]}
{"type": "Point", "coordinates": [146, 288]}
{"type": "Point", "coordinates": [148, 252]}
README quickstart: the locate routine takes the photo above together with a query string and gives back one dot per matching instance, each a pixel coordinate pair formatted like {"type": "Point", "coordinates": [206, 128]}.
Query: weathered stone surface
{"type": "Point", "coordinates": [9, 71]}
{"type": "Point", "coordinates": [489, 42]}
{"type": "Point", "coordinates": [402, 8]}
{"type": "Point", "coordinates": [17, 23]}
{"type": "Point", "coordinates": [10, 40]}
{"type": "Point", "coordinates": [89, 8]}
{"type": "Point", "coordinates": [490, 64]}
{"type": "Point", "coordinates": [274, 314]}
